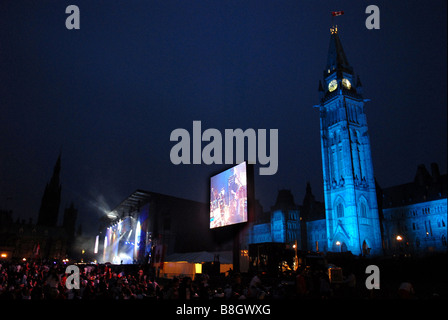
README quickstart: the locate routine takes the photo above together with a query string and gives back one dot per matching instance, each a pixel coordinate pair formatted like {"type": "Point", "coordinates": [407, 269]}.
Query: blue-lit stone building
{"type": "Point", "coordinates": [415, 214]}
{"type": "Point", "coordinates": [281, 224]}
{"type": "Point", "coordinates": [413, 218]}
{"type": "Point", "coordinates": [351, 208]}
{"type": "Point", "coordinates": [356, 215]}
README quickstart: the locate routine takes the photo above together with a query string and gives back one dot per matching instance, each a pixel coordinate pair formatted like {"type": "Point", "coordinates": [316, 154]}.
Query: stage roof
{"type": "Point", "coordinates": [139, 198]}
{"type": "Point", "coordinates": [132, 203]}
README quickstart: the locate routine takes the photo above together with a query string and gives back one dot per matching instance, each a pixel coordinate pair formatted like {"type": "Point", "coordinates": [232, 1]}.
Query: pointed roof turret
{"type": "Point", "coordinates": [51, 199]}
{"type": "Point", "coordinates": [285, 201]}
{"type": "Point", "coordinates": [358, 82]}
{"type": "Point", "coordinates": [336, 60]}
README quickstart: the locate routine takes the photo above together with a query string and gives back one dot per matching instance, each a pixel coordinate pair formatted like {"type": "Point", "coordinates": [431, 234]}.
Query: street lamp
{"type": "Point", "coordinates": [399, 239]}
{"type": "Point", "coordinates": [296, 262]}
{"type": "Point", "coordinates": [338, 244]}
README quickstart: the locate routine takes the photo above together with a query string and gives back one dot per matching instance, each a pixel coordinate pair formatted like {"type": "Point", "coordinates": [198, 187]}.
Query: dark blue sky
{"type": "Point", "coordinates": [111, 93]}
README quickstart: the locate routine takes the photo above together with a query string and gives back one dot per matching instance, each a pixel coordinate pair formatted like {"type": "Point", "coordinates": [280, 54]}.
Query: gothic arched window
{"type": "Point", "coordinates": [340, 210]}
{"type": "Point", "coordinates": [363, 210]}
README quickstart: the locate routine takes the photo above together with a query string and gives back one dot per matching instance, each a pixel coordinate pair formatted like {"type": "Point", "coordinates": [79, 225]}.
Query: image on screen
{"type": "Point", "coordinates": [228, 197]}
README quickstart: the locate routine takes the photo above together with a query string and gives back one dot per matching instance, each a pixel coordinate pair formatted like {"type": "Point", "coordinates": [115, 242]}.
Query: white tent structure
{"type": "Point", "coordinates": [188, 264]}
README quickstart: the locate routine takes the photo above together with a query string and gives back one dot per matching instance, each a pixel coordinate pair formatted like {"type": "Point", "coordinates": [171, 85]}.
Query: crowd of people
{"type": "Point", "coordinates": [42, 281]}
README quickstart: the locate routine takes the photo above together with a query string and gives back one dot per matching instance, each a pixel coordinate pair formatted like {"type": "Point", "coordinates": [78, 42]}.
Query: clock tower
{"type": "Point", "coordinates": [351, 208]}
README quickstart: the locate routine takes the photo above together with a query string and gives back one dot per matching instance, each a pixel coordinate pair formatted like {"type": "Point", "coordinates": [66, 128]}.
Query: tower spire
{"type": "Point", "coordinates": [336, 59]}
{"type": "Point", "coordinates": [49, 208]}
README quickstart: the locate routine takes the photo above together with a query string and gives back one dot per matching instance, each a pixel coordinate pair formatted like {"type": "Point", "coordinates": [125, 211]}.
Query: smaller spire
{"type": "Point", "coordinates": [308, 188]}
{"type": "Point", "coordinates": [358, 82]}
{"type": "Point", "coordinates": [358, 85]}
{"type": "Point", "coordinates": [320, 88]}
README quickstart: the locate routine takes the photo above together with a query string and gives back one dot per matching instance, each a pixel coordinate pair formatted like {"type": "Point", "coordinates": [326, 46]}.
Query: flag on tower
{"type": "Point", "coordinates": [337, 13]}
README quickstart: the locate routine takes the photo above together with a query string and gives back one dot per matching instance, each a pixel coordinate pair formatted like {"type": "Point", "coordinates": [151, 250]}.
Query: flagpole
{"type": "Point", "coordinates": [334, 14]}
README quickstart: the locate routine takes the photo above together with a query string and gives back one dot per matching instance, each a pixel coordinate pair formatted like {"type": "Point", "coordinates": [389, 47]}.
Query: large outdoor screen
{"type": "Point", "coordinates": [228, 197]}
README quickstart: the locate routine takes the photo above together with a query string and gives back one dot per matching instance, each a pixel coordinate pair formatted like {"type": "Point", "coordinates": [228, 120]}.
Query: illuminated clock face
{"type": "Point", "coordinates": [332, 85]}
{"type": "Point", "coordinates": [346, 83]}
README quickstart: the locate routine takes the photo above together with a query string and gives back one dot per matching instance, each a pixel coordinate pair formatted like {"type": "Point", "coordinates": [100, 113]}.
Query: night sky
{"type": "Point", "coordinates": [110, 94]}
